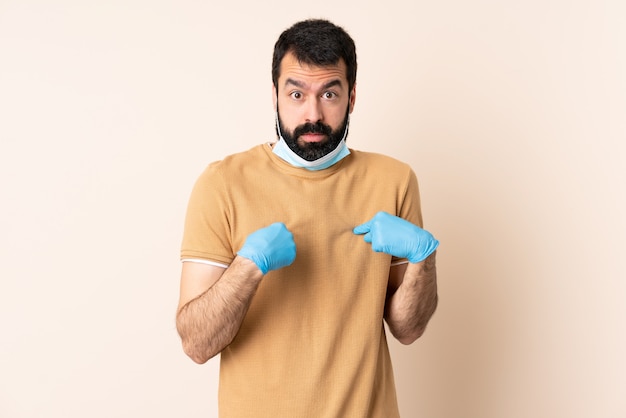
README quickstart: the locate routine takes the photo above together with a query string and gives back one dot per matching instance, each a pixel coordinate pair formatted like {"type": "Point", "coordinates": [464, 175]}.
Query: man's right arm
{"type": "Point", "coordinates": [213, 303]}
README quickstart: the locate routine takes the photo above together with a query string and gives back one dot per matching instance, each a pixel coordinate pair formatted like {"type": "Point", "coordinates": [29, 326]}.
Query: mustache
{"type": "Point", "coordinates": [312, 128]}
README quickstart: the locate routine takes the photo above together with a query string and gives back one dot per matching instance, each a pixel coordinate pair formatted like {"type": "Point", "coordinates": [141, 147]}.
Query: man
{"type": "Point", "coordinates": [294, 252]}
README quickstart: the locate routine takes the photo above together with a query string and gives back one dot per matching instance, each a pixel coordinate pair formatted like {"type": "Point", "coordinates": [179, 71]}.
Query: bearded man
{"type": "Point", "coordinates": [296, 251]}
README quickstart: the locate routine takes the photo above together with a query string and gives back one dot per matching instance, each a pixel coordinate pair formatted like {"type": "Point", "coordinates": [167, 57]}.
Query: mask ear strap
{"type": "Point", "coordinates": [280, 134]}
{"type": "Point", "coordinates": [276, 90]}
{"type": "Point", "coordinates": [345, 132]}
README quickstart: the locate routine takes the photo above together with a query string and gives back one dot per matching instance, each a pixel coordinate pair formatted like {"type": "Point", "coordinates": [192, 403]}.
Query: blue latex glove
{"type": "Point", "coordinates": [270, 248]}
{"type": "Point", "coordinates": [395, 236]}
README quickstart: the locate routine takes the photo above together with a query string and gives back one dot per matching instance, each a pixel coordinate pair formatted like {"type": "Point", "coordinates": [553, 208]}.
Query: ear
{"type": "Point", "coordinates": [352, 97]}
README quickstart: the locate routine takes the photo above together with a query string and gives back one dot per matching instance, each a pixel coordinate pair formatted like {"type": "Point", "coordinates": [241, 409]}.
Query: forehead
{"type": "Point", "coordinates": [291, 68]}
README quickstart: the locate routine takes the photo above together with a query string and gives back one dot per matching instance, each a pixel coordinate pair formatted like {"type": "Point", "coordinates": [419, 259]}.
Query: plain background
{"type": "Point", "coordinates": [513, 115]}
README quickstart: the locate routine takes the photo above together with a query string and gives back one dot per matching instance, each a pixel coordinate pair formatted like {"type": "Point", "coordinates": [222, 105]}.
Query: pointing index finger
{"type": "Point", "coordinates": [362, 229]}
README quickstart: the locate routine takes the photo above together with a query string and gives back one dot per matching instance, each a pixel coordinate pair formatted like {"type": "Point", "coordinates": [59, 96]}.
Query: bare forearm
{"type": "Point", "coordinates": [411, 306]}
{"type": "Point", "coordinates": [208, 323]}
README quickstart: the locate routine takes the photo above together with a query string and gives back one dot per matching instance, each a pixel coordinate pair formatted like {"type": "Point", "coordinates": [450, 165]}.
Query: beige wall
{"type": "Point", "coordinates": [513, 115]}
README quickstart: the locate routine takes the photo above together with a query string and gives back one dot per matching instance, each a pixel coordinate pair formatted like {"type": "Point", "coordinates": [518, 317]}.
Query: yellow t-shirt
{"type": "Point", "coordinates": [312, 343]}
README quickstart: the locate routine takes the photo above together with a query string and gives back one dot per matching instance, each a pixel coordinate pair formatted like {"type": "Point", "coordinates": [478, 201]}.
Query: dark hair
{"type": "Point", "coordinates": [316, 42]}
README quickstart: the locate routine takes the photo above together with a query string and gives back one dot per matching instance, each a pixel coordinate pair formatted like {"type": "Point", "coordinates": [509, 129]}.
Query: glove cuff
{"type": "Point", "coordinates": [255, 259]}
{"type": "Point", "coordinates": [423, 255]}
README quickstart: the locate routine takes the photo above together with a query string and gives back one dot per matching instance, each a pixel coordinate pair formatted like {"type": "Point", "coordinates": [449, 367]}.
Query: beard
{"type": "Point", "coordinates": [311, 151]}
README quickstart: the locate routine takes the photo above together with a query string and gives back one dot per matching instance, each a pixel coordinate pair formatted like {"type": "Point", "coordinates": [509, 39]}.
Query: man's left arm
{"type": "Point", "coordinates": [412, 289]}
{"type": "Point", "coordinates": [411, 298]}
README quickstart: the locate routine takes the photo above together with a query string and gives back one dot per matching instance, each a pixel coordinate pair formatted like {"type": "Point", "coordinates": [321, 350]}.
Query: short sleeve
{"type": "Point", "coordinates": [409, 206]}
{"type": "Point", "coordinates": [207, 233]}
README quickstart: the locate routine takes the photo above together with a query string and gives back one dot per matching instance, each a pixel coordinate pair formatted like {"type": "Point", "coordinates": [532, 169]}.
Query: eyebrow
{"type": "Point", "coordinates": [302, 85]}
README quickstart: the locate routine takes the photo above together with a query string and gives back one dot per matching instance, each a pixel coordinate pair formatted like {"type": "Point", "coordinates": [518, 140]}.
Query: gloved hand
{"type": "Point", "coordinates": [270, 248]}
{"type": "Point", "coordinates": [395, 236]}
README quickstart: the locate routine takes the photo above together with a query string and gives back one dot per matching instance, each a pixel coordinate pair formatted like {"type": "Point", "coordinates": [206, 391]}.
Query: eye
{"type": "Point", "coordinates": [329, 95]}
{"type": "Point", "coordinates": [296, 95]}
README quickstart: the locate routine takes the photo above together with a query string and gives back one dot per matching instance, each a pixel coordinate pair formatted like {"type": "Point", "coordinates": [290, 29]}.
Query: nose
{"type": "Point", "coordinates": [313, 111]}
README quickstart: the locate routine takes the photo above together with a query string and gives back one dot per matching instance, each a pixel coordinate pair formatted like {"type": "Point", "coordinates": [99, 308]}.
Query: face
{"type": "Point", "coordinates": [313, 104]}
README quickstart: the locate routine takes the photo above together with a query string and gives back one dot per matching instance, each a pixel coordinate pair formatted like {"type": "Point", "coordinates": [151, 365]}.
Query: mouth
{"type": "Point", "coordinates": [312, 137]}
